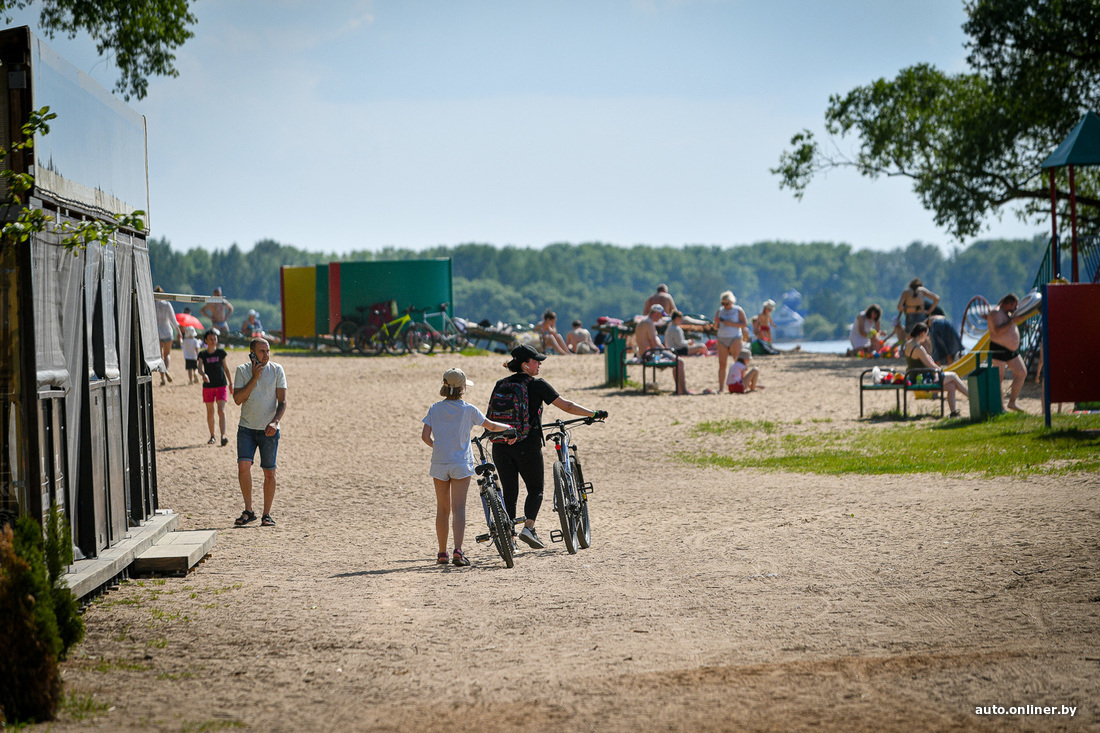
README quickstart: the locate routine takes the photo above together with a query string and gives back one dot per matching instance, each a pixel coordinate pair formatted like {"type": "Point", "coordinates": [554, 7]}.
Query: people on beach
{"type": "Point", "coordinates": [762, 324]}
{"type": "Point", "coordinates": [219, 313]}
{"type": "Point", "coordinates": [446, 431]}
{"type": "Point", "coordinates": [916, 302]}
{"type": "Point", "coordinates": [866, 333]}
{"type": "Point", "coordinates": [947, 346]}
{"type": "Point", "coordinates": [677, 341]}
{"type": "Point", "coordinates": [1004, 345]}
{"type": "Point", "coordinates": [579, 340]}
{"type": "Point", "coordinates": [260, 390]}
{"type": "Point", "coordinates": [551, 340]}
{"type": "Point", "coordinates": [743, 375]}
{"type": "Point", "coordinates": [190, 347]}
{"type": "Point", "coordinates": [661, 298]}
{"type": "Point", "coordinates": [523, 458]}
{"type": "Point", "coordinates": [733, 327]}
{"type": "Point", "coordinates": [216, 387]}
{"type": "Point", "coordinates": [917, 357]}
{"type": "Point", "coordinates": [646, 341]}
{"type": "Point", "coordinates": [168, 330]}
{"type": "Point", "coordinates": [252, 327]}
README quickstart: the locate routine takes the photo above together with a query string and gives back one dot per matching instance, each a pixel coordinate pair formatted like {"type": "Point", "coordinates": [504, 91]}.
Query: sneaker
{"type": "Point", "coordinates": [528, 535]}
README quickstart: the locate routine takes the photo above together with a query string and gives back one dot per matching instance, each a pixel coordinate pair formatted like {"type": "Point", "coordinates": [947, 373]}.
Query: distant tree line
{"type": "Point", "coordinates": [584, 281]}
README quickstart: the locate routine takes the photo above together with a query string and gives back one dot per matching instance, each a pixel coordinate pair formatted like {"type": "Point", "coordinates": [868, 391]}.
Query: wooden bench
{"type": "Point", "coordinates": [653, 359]}
{"type": "Point", "coordinates": [916, 381]}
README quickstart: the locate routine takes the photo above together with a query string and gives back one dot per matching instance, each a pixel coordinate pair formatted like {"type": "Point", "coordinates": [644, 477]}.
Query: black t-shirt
{"type": "Point", "coordinates": [212, 367]}
{"type": "Point", "coordinates": [539, 393]}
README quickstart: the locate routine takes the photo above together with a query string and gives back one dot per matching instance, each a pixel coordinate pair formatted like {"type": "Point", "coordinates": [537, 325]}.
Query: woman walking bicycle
{"type": "Point", "coordinates": [517, 401]}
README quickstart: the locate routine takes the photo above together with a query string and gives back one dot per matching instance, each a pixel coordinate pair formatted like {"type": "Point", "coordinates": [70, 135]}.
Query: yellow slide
{"type": "Point", "coordinates": [972, 359]}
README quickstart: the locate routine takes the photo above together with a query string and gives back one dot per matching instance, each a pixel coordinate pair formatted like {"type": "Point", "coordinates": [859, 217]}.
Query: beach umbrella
{"type": "Point", "coordinates": [186, 319]}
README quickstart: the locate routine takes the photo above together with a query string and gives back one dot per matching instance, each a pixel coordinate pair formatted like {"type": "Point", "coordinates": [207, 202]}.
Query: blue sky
{"type": "Point", "coordinates": [355, 124]}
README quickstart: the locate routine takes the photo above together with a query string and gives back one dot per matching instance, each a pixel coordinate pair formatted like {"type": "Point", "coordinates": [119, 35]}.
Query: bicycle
{"type": "Point", "coordinates": [570, 490]}
{"type": "Point", "coordinates": [502, 528]}
{"type": "Point", "coordinates": [423, 337]}
{"type": "Point", "coordinates": [370, 339]}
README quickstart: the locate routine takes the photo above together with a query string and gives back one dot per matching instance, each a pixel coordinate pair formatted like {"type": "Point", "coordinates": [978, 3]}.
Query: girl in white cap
{"type": "Point", "coordinates": [446, 431]}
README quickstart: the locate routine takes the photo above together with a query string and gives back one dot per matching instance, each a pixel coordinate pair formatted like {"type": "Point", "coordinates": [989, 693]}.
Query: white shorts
{"type": "Point", "coordinates": [450, 471]}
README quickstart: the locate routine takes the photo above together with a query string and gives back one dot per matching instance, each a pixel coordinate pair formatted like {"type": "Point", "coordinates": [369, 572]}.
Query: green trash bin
{"type": "Point", "coordinates": [984, 384]}
{"type": "Point", "coordinates": [613, 357]}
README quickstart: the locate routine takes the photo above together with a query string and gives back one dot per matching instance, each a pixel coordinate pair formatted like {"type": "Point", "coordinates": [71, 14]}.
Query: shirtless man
{"type": "Point", "coordinates": [646, 338]}
{"type": "Point", "coordinates": [579, 340]}
{"type": "Point", "coordinates": [661, 298]}
{"type": "Point", "coordinates": [1004, 345]}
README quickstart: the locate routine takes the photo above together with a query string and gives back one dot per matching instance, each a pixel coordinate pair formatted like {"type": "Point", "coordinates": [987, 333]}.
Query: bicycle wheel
{"type": "Point", "coordinates": [501, 529]}
{"type": "Point", "coordinates": [418, 339]}
{"type": "Point", "coordinates": [395, 345]}
{"type": "Point", "coordinates": [584, 527]}
{"type": "Point", "coordinates": [458, 342]}
{"type": "Point", "coordinates": [564, 500]}
{"type": "Point", "coordinates": [344, 335]}
{"type": "Point", "coordinates": [369, 343]}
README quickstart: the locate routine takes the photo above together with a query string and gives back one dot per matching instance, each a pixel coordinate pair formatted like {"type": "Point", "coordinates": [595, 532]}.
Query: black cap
{"type": "Point", "coordinates": [523, 353]}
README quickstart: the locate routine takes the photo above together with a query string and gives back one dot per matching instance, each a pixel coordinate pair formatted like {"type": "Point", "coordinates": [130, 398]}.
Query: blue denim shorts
{"type": "Point", "coordinates": [248, 440]}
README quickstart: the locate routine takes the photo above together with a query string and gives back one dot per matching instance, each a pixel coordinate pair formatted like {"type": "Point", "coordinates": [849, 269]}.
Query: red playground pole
{"type": "Point", "coordinates": [1073, 220]}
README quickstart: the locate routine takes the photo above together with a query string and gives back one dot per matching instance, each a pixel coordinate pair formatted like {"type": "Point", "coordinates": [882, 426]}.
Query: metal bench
{"type": "Point", "coordinates": [652, 359]}
{"type": "Point", "coordinates": [916, 381]}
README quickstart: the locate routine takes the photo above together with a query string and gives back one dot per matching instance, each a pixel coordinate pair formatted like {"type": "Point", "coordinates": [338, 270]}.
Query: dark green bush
{"type": "Point", "coordinates": [39, 618]}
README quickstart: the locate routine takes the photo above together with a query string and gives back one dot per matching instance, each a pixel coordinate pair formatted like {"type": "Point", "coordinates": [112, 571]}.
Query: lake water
{"type": "Point", "coordinates": [840, 346]}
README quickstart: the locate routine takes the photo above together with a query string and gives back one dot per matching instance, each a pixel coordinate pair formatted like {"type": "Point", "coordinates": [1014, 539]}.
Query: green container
{"type": "Point", "coordinates": [613, 357]}
{"type": "Point", "coordinates": [984, 384]}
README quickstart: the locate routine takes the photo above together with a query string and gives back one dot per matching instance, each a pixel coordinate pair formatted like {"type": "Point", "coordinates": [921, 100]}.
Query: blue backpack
{"type": "Point", "coordinates": [511, 406]}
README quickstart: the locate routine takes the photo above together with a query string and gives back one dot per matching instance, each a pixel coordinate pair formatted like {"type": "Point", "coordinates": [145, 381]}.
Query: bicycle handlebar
{"type": "Point", "coordinates": [489, 435]}
{"type": "Point", "coordinates": [562, 424]}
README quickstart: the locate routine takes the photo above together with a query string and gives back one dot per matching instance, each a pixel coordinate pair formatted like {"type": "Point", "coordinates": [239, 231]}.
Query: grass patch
{"type": "Point", "coordinates": [81, 707]}
{"type": "Point", "coordinates": [721, 427]}
{"type": "Point", "coordinates": [1009, 445]}
{"type": "Point", "coordinates": [108, 665]}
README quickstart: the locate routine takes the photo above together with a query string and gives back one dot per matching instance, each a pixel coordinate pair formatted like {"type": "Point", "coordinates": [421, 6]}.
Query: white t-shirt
{"type": "Point", "coordinates": [451, 422]}
{"type": "Point", "coordinates": [736, 373]}
{"type": "Point", "coordinates": [259, 409]}
{"type": "Point", "coordinates": [191, 348]}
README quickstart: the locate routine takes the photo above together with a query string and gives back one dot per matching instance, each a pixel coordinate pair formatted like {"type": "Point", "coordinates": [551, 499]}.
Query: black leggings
{"type": "Point", "coordinates": [512, 463]}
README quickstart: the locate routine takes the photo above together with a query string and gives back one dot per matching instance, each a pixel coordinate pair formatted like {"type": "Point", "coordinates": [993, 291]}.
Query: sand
{"type": "Point", "coordinates": [710, 599]}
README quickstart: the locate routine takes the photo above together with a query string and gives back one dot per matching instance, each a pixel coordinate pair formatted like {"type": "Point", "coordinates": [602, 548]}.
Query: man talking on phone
{"type": "Point", "coordinates": [259, 387]}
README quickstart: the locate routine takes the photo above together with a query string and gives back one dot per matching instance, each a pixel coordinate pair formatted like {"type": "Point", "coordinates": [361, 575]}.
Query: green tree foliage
{"type": "Point", "coordinates": [141, 35]}
{"type": "Point", "coordinates": [584, 281]}
{"type": "Point", "coordinates": [973, 142]}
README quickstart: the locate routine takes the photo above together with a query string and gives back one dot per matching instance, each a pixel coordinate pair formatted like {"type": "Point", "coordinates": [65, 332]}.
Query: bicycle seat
{"type": "Point", "coordinates": [484, 468]}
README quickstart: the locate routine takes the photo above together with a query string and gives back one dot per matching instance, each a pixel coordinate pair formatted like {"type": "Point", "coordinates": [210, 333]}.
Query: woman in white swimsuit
{"type": "Point", "coordinates": [732, 325]}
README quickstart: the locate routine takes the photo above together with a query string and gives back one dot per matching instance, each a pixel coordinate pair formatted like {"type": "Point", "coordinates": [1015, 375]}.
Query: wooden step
{"type": "Point", "coordinates": [175, 553]}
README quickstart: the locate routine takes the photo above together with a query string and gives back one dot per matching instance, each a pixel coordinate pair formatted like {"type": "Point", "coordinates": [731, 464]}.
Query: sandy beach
{"type": "Point", "coordinates": [710, 599]}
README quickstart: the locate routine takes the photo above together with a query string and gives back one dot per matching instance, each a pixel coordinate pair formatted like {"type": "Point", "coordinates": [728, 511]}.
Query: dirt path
{"type": "Point", "coordinates": [710, 599]}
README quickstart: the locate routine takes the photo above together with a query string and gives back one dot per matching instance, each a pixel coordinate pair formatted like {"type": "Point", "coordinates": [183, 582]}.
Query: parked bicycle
{"type": "Point", "coordinates": [502, 528]}
{"type": "Point", "coordinates": [424, 338]}
{"type": "Point", "coordinates": [373, 332]}
{"type": "Point", "coordinates": [570, 489]}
